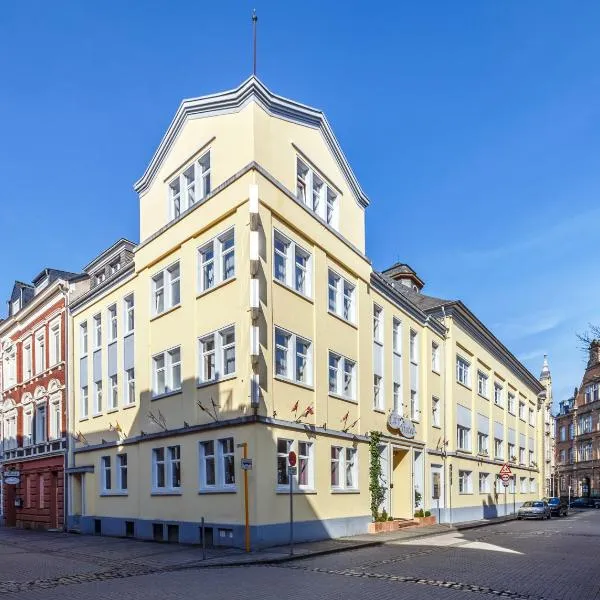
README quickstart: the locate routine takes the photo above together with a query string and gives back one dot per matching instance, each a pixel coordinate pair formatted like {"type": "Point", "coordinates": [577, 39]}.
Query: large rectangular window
{"type": "Point", "coordinates": [130, 386]}
{"type": "Point", "coordinates": [304, 478]}
{"type": "Point", "coordinates": [83, 338]}
{"type": "Point", "coordinates": [465, 484]}
{"type": "Point", "coordinates": [166, 371]}
{"type": "Point", "coordinates": [498, 393]}
{"type": "Point", "coordinates": [293, 357]}
{"type": "Point", "coordinates": [482, 384]}
{"type": "Point", "coordinates": [122, 472]}
{"type": "Point", "coordinates": [216, 261]}
{"type": "Point", "coordinates": [27, 361]}
{"type": "Point", "coordinates": [166, 469]}
{"type": "Point", "coordinates": [106, 474]}
{"type": "Point", "coordinates": [114, 392]}
{"type": "Point", "coordinates": [292, 264]}
{"type": "Point", "coordinates": [40, 351]}
{"type": "Point", "coordinates": [341, 297]}
{"type": "Point", "coordinates": [166, 289]}
{"type": "Point", "coordinates": [129, 316]}
{"type": "Point", "coordinates": [317, 195]}
{"type": "Point", "coordinates": [435, 411]}
{"type": "Point", "coordinates": [97, 320]}
{"type": "Point", "coordinates": [435, 357]}
{"type": "Point", "coordinates": [55, 354]}
{"type": "Point", "coordinates": [344, 467]}
{"type": "Point", "coordinates": [377, 323]}
{"type": "Point", "coordinates": [217, 464]}
{"type": "Point", "coordinates": [463, 441]}
{"type": "Point", "coordinates": [511, 403]}
{"type": "Point", "coordinates": [463, 374]}
{"type": "Point", "coordinates": [112, 323]}
{"type": "Point", "coordinates": [97, 397]}
{"type": "Point", "coordinates": [342, 376]}
{"type": "Point", "coordinates": [190, 187]}
{"type": "Point", "coordinates": [83, 402]}
{"type": "Point", "coordinates": [484, 483]}
{"type": "Point", "coordinates": [217, 355]}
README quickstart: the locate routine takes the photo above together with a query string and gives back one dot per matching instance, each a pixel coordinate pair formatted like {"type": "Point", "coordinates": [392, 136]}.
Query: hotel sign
{"type": "Point", "coordinates": [404, 426]}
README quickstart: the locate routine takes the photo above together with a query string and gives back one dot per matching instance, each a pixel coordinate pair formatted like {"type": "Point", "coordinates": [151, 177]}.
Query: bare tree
{"type": "Point", "coordinates": [585, 339]}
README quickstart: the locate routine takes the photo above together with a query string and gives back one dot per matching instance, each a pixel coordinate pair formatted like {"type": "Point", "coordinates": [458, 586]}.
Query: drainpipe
{"type": "Point", "coordinates": [67, 401]}
{"type": "Point", "coordinates": [445, 438]}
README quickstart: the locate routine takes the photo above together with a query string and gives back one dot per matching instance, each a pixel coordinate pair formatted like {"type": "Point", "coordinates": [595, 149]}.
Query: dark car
{"type": "Point", "coordinates": [580, 503]}
{"type": "Point", "coordinates": [558, 507]}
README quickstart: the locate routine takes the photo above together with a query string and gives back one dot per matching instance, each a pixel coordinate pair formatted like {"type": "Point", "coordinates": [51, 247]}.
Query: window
{"type": "Point", "coordinates": [97, 331]}
{"type": "Point", "coordinates": [396, 336]}
{"type": "Point", "coordinates": [130, 386]}
{"type": "Point", "coordinates": [585, 451]}
{"type": "Point", "coordinates": [341, 298]}
{"type": "Point", "coordinates": [305, 465]}
{"type": "Point", "coordinates": [521, 455]}
{"type": "Point", "coordinates": [122, 472]}
{"type": "Point", "coordinates": [40, 351]}
{"type": "Point", "coordinates": [28, 427]}
{"type": "Point", "coordinates": [106, 474]}
{"type": "Point", "coordinates": [571, 456]}
{"type": "Point", "coordinates": [531, 458]}
{"type": "Point", "coordinates": [414, 405]}
{"type": "Point", "coordinates": [571, 431]}
{"type": "Point", "coordinates": [100, 277]}
{"type": "Point", "coordinates": [10, 431]}
{"type": "Point", "coordinates": [41, 426]}
{"type": "Point", "coordinates": [284, 447]}
{"type": "Point", "coordinates": [10, 367]}
{"type": "Point", "coordinates": [482, 384]}
{"type": "Point", "coordinates": [27, 362]}
{"type": "Point", "coordinates": [413, 347]}
{"type": "Point", "coordinates": [511, 403]}
{"type": "Point", "coordinates": [484, 483]}
{"type": "Point", "coordinates": [563, 457]}
{"type": "Point", "coordinates": [397, 399]}
{"type": "Point", "coordinates": [523, 485]}
{"type": "Point", "coordinates": [166, 289]}
{"type": "Point", "coordinates": [114, 392]}
{"type": "Point", "coordinates": [532, 486]}
{"type": "Point", "coordinates": [378, 399]}
{"type": "Point", "coordinates": [435, 411]}
{"type": "Point", "coordinates": [114, 266]}
{"type": "Point", "coordinates": [83, 338]}
{"type": "Point", "coordinates": [563, 433]}
{"type": "Point", "coordinates": [112, 323]}
{"type": "Point", "coordinates": [166, 469]}
{"type": "Point", "coordinates": [190, 187]}
{"type": "Point", "coordinates": [55, 420]}
{"type": "Point", "coordinates": [83, 402]}
{"type": "Point", "coordinates": [217, 355]}
{"type": "Point", "coordinates": [497, 394]}
{"type": "Point", "coordinates": [463, 438]}
{"type": "Point", "coordinates": [584, 424]}
{"type": "Point", "coordinates": [343, 468]}
{"type": "Point", "coordinates": [531, 417]}
{"type": "Point", "coordinates": [342, 376]}
{"type": "Point", "coordinates": [377, 323]}
{"type": "Point", "coordinates": [216, 261]}
{"type": "Point", "coordinates": [305, 468]}
{"type": "Point", "coordinates": [217, 471]}
{"type": "Point", "coordinates": [129, 314]}
{"type": "Point", "coordinates": [166, 371]}
{"type": "Point", "coordinates": [292, 264]}
{"type": "Point", "coordinates": [463, 371]}
{"type": "Point", "coordinates": [54, 343]}
{"type": "Point", "coordinates": [482, 443]}
{"type": "Point", "coordinates": [435, 357]}
{"type": "Point", "coordinates": [498, 449]}
{"type": "Point", "coordinates": [512, 457]}
{"type": "Point", "coordinates": [313, 192]}
{"type": "Point", "coordinates": [293, 357]}
{"type": "Point", "coordinates": [522, 411]}
{"type": "Point", "coordinates": [97, 397]}
{"type": "Point", "coordinates": [465, 485]}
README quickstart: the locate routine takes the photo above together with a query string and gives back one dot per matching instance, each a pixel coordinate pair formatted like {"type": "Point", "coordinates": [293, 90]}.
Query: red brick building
{"type": "Point", "coordinates": [578, 434]}
{"type": "Point", "coordinates": [33, 401]}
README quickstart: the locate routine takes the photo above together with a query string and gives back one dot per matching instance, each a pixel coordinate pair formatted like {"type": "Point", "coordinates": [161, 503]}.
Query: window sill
{"type": "Point", "coordinates": [165, 312]}
{"type": "Point", "coordinates": [112, 410]}
{"type": "Point", "coordinates": [204, 384]}
{"type": "Point", "coordinates": [286, 490]}
{"type": "Point", "coordinates": [96, 415]}
{"type": "Point", "coordinates": [115, 494]}
{"type": "Point", "coordinates": [437, 426]}
{"type": "Point", "coordinates": [344, 398]}
{"type": "Point", "coordinates": [379, 410]}
{"type": "Point", "coordinates": [435, 371]}
{"type": "Point", "coordinates": [217, 491]}
{"type": "Point", "coordinates": [215, 287]}
{"type": "Point", "coordinates": [294, 291]}
{"type": "Point", "coordinates": [126, 406]}
{"type": "Point", "coordinates": [465, 493]}
{"type": "Point", "coordinates": [128, 333]}
{"type": "Point", "coordinates": [341, 491]}
{"type": "Point", "coordinates": [113, 341]}
{"type": "Point", "coordinates": [462, 451]}
{"type": "Point", "coordinates": [467, 387]}
{"type": "Point", "coordinates": [166, 493]}
{"type": "Point", "coordinates": [82, 419]}
{"type": "Point", "coordinates": [165, 395]}
{"type": "Point", "coordinates": [339, 317]}
{"type": "Point", "coordinates": [306, 386]}
{"type": "Point", "coordinates": [482, 396]}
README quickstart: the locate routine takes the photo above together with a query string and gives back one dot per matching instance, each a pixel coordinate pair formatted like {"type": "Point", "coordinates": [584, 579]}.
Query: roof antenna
{"type": "Point", "coordinates": [254, 21]}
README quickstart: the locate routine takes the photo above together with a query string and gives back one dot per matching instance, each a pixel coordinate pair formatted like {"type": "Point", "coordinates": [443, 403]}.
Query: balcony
{"type": "Point", "coordinates": [33, 450]}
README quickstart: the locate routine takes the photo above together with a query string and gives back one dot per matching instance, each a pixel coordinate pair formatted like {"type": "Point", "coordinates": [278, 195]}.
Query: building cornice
{"type": "Point", "coordinates": [251, 90]}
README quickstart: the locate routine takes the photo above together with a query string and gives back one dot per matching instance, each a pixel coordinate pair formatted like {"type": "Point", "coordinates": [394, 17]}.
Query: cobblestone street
{"type": "Point", "coordinates": [550, 560]}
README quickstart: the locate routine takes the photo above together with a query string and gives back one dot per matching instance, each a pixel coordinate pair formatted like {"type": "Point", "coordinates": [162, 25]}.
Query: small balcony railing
{"type": "Point", "coordinates": [32, 450]}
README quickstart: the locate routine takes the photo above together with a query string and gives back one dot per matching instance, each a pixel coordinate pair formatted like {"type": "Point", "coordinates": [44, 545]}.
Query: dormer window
{"type": "Point", "coordinates": [16, 306]}
{"type": "Point", "coordinates": [317, 195]}
{"type": "Point", "coordinates": [41, 285]}
{"type": "Point", "coordinates": [190, 187]}
{"type": "Point", "coordinates": [100, 277]}
{"type": "Point", "coordinates": [115, 266]}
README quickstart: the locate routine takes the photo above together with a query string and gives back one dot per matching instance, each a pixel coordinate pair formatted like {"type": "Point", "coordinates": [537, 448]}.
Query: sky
{"type": "Point", "coordinates": [472, 126]}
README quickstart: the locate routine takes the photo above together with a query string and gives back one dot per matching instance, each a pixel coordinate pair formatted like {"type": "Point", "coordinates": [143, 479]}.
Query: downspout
{"type": "Point", "coordinates": [67, 491]}
{"type": "Point", "coordinates": [445, 438]}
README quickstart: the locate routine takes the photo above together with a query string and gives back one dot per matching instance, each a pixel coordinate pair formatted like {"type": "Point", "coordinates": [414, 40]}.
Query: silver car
{"type": "Point", "coordinates": [534, 509]}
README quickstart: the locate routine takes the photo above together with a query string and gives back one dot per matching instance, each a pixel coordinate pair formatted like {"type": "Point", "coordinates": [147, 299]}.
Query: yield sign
{"type": "Point", "coordinates": [505, 470]}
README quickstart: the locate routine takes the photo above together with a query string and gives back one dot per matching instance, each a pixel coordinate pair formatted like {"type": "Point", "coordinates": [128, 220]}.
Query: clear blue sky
{"type": "Point", "coordinates": [473, 127]}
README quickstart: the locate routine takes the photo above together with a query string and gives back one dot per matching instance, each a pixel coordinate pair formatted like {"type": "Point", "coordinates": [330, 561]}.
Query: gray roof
{"type": "Point", "coordinates": [54, 274]}
{"type": "Point", "coordinates": [419, 299]}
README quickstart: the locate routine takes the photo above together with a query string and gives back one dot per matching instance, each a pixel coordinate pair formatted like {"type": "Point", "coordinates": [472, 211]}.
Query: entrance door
{"type": "Point", "coordinates": [10, 493]}
{"type": "Point", "coordinates": [437, 491]}
{"type": "Point", "coordinates": [384, 454]}
{"type": "Point", "coordinates": [53, 505]}
{"type": "Point", "coordinates": [403, 492]}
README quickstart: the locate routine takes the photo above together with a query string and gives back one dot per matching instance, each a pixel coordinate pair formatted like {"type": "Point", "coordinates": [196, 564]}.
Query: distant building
{"type": "Point", "coordinates": [578, 434]}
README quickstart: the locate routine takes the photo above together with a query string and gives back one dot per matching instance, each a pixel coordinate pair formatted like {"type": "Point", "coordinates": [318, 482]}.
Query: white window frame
{"type": "Point", "coordinates": [313, 190]}
{"type": "Point", "coordinates": [413, 347]}
{"type": "Point", "coordinates": [98, 398]}
{"type": "Point", "coordinates": [531, 417]}
{"type": "Point", "coordinates": [397, 336]}
{"type": "Point", "coordinates": [83, 339]}
{"type": "Point", "coordinates": [292, 354]}
{"type": "Point", "coordinates": [435, 411]}
{"type": "Point", "coordinates": [10, 430]}
{"type": "Point", "coordinates": [169, 463]}
{"type": "Point", "coordinates": [106, 474]}
{"type": "Point", "coordinates": [129, 314]}
{"type": "Point", "coordinates": [113, 324]}
{"type": "Point", "coordinates": [220, 347]}
{"type": "Point", "coordinates": [54, 343]}
{"type": "Point", "coordinates": [498, 449]}
{"type": "Point", "coordinates": [482, 384]}
{"type": "Point", "coordinates": [114, 392]}
{"type": "Point", "coordinates": [465, 481]}
{"type": "Point", "coordinates": [463, 434]}
{"type": "Point", "coordinates": [129, 386]}
{"type": "Point", "coordinates": [163, 284]}
{"type": "Point", "coordinates": [10, 367]}
{"type": "Point", "coordinates": [221, 250]}
{"type": "Point", "coordinates": [484, 483]}
{"type": "Point", "coordinates": [345, 460]}
{"type": "Point", "coordinates": [27, 359]}
{"type": "Point", "coordinates": [84, 402]}
{"type": "Point", "coordinates": [522, 414]}
{"type": "Point", "coordinates": [170, 366]}
{"type": "Point", "coordinates": [97, 321]}
{"type": "Point", "coordinates": [55, 411]}
{"type": "Point", "coordinates": [121, 468]}
{"type": "Point", "coordinates": [435, 357]}
{"type": "Point", "coordinates": [463, 371]}
{"type": "Point", "coordinates": [282, 457]}
{"type": "Point", "coordinates": [483, 443]}
{"type": "Point", "coordinates": [344, 365]}
{"type": "Point", "coordinates": [40, 351]}
{"type": "Point", "coordinates": [378, 393]}
{"type": "Point", "coordinates": [28, 420]}
{"type": "Point", "coordinates": [511, 403]}
{"type": "Point", "coordinates": [291, 255]}
{"type": "Point", "coordinates": [219, 457]}
{"type": "Point", "coordinates": [498, 393]}
{"type": "Point", "coordinates": [341, 296]}
{"type": "Point", "coordinates": [41, 425]}
{"type": "Point", "coordinates": [378, 324]}
{"type": "Point", "coordinates": [194, 176]}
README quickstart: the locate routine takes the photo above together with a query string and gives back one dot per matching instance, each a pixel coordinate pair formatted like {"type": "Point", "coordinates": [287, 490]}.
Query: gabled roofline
{"type": "Point", "coordinates": [234, 100]}
{"type": "Point", "coordinates": [106, 253]}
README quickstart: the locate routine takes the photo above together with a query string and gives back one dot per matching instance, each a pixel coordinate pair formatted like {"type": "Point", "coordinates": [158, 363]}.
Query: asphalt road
{"type": "Point", "coordinates": [528, 560]}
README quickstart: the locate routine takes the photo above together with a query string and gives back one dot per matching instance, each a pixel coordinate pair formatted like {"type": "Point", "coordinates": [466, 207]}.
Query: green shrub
{"type": "Point", "coordinates": [390, 518]}
{"type": "Point", "coordinates": [427, 513]}
{"type": "Point", "coordinates": [419, 513]}
{"type": "Point", "coordinates": [384, 515]}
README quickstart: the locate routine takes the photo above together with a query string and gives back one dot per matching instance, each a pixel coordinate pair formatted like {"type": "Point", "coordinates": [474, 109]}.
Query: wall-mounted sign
{"type": "Point", "coordinates": [11, 480]}
{"type": "Point", "coordinates": [405, 427]}
{"type": "Point", "coordinates": [12, 477]}
{"type": "Point", "coordinates": [246, 464]}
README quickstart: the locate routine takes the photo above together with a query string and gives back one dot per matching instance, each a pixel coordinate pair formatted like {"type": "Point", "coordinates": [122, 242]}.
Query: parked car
{"type": "Point", "coordinates": [534, 509]}
{"type": "Point", "coordinates": [580, 503]}
{"type": "Point", "coordinates": [558, 506]}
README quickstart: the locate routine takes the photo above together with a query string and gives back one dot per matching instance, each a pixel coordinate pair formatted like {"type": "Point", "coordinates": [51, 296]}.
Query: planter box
{"type": "Point", "coordinates": [389, 526]}
{"type": "Point", "coordinates": [422, 521]}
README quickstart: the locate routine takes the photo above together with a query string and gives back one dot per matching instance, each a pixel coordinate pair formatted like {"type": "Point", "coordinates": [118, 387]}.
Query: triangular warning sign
{"type": "Point", "coordinates": [505, 470]}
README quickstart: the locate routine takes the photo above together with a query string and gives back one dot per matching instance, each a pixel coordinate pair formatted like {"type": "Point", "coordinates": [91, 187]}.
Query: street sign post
{"type": "Point", "coordinates": [505, 475]}
{"type": "Point", "coordinates": [292, 459]}
{"type": "Point", "coordinates": [291, 472]}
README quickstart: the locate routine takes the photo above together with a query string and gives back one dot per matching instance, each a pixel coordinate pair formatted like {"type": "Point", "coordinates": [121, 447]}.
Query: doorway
{"type": "Point", "coordinates": [402, 494]}
{"type": "Point", "coordinates": [437, 491]}
{"type": "Point", "coordinates": [53, 504]}
{"type": "Point", "coordinates": [11, 509]}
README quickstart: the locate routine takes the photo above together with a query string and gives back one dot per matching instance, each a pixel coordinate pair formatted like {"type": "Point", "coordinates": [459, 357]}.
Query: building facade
{"type": "Point", "coordinates": [578, 434]}
{"type": "Point", "coordinates": [249, 320]}
{"type": "Point", "coordinates": [34, 401]}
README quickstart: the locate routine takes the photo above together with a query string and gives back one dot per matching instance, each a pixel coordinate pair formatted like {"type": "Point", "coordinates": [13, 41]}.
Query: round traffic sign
{"type": "Point", "coordinates": [292, 458]}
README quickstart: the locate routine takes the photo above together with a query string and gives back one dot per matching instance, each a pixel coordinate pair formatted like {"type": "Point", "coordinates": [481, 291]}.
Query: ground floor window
{"type": "Point", "coordinates": [305, 463]}
{"type": "Point", "coordinates": [343, 468]}
{"type": "Point", "coordinates": [465, 485]}
{"type": "Point", "coordinates": [484, 483]}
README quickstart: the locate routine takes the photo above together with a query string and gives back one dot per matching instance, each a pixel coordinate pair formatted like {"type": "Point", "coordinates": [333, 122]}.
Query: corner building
{"type": "Point", "coordinates": [257, 319]}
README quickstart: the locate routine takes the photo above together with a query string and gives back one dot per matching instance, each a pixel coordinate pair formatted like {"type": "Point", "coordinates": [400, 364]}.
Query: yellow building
{"type": "Point", "coordinates": [249, 315]}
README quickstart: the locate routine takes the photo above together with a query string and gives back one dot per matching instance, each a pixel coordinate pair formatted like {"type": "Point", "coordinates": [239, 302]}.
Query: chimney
{"type": "Point", "coordinates": [403, 274]}
{"type": "Point", "coordinates": [594, 353]}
